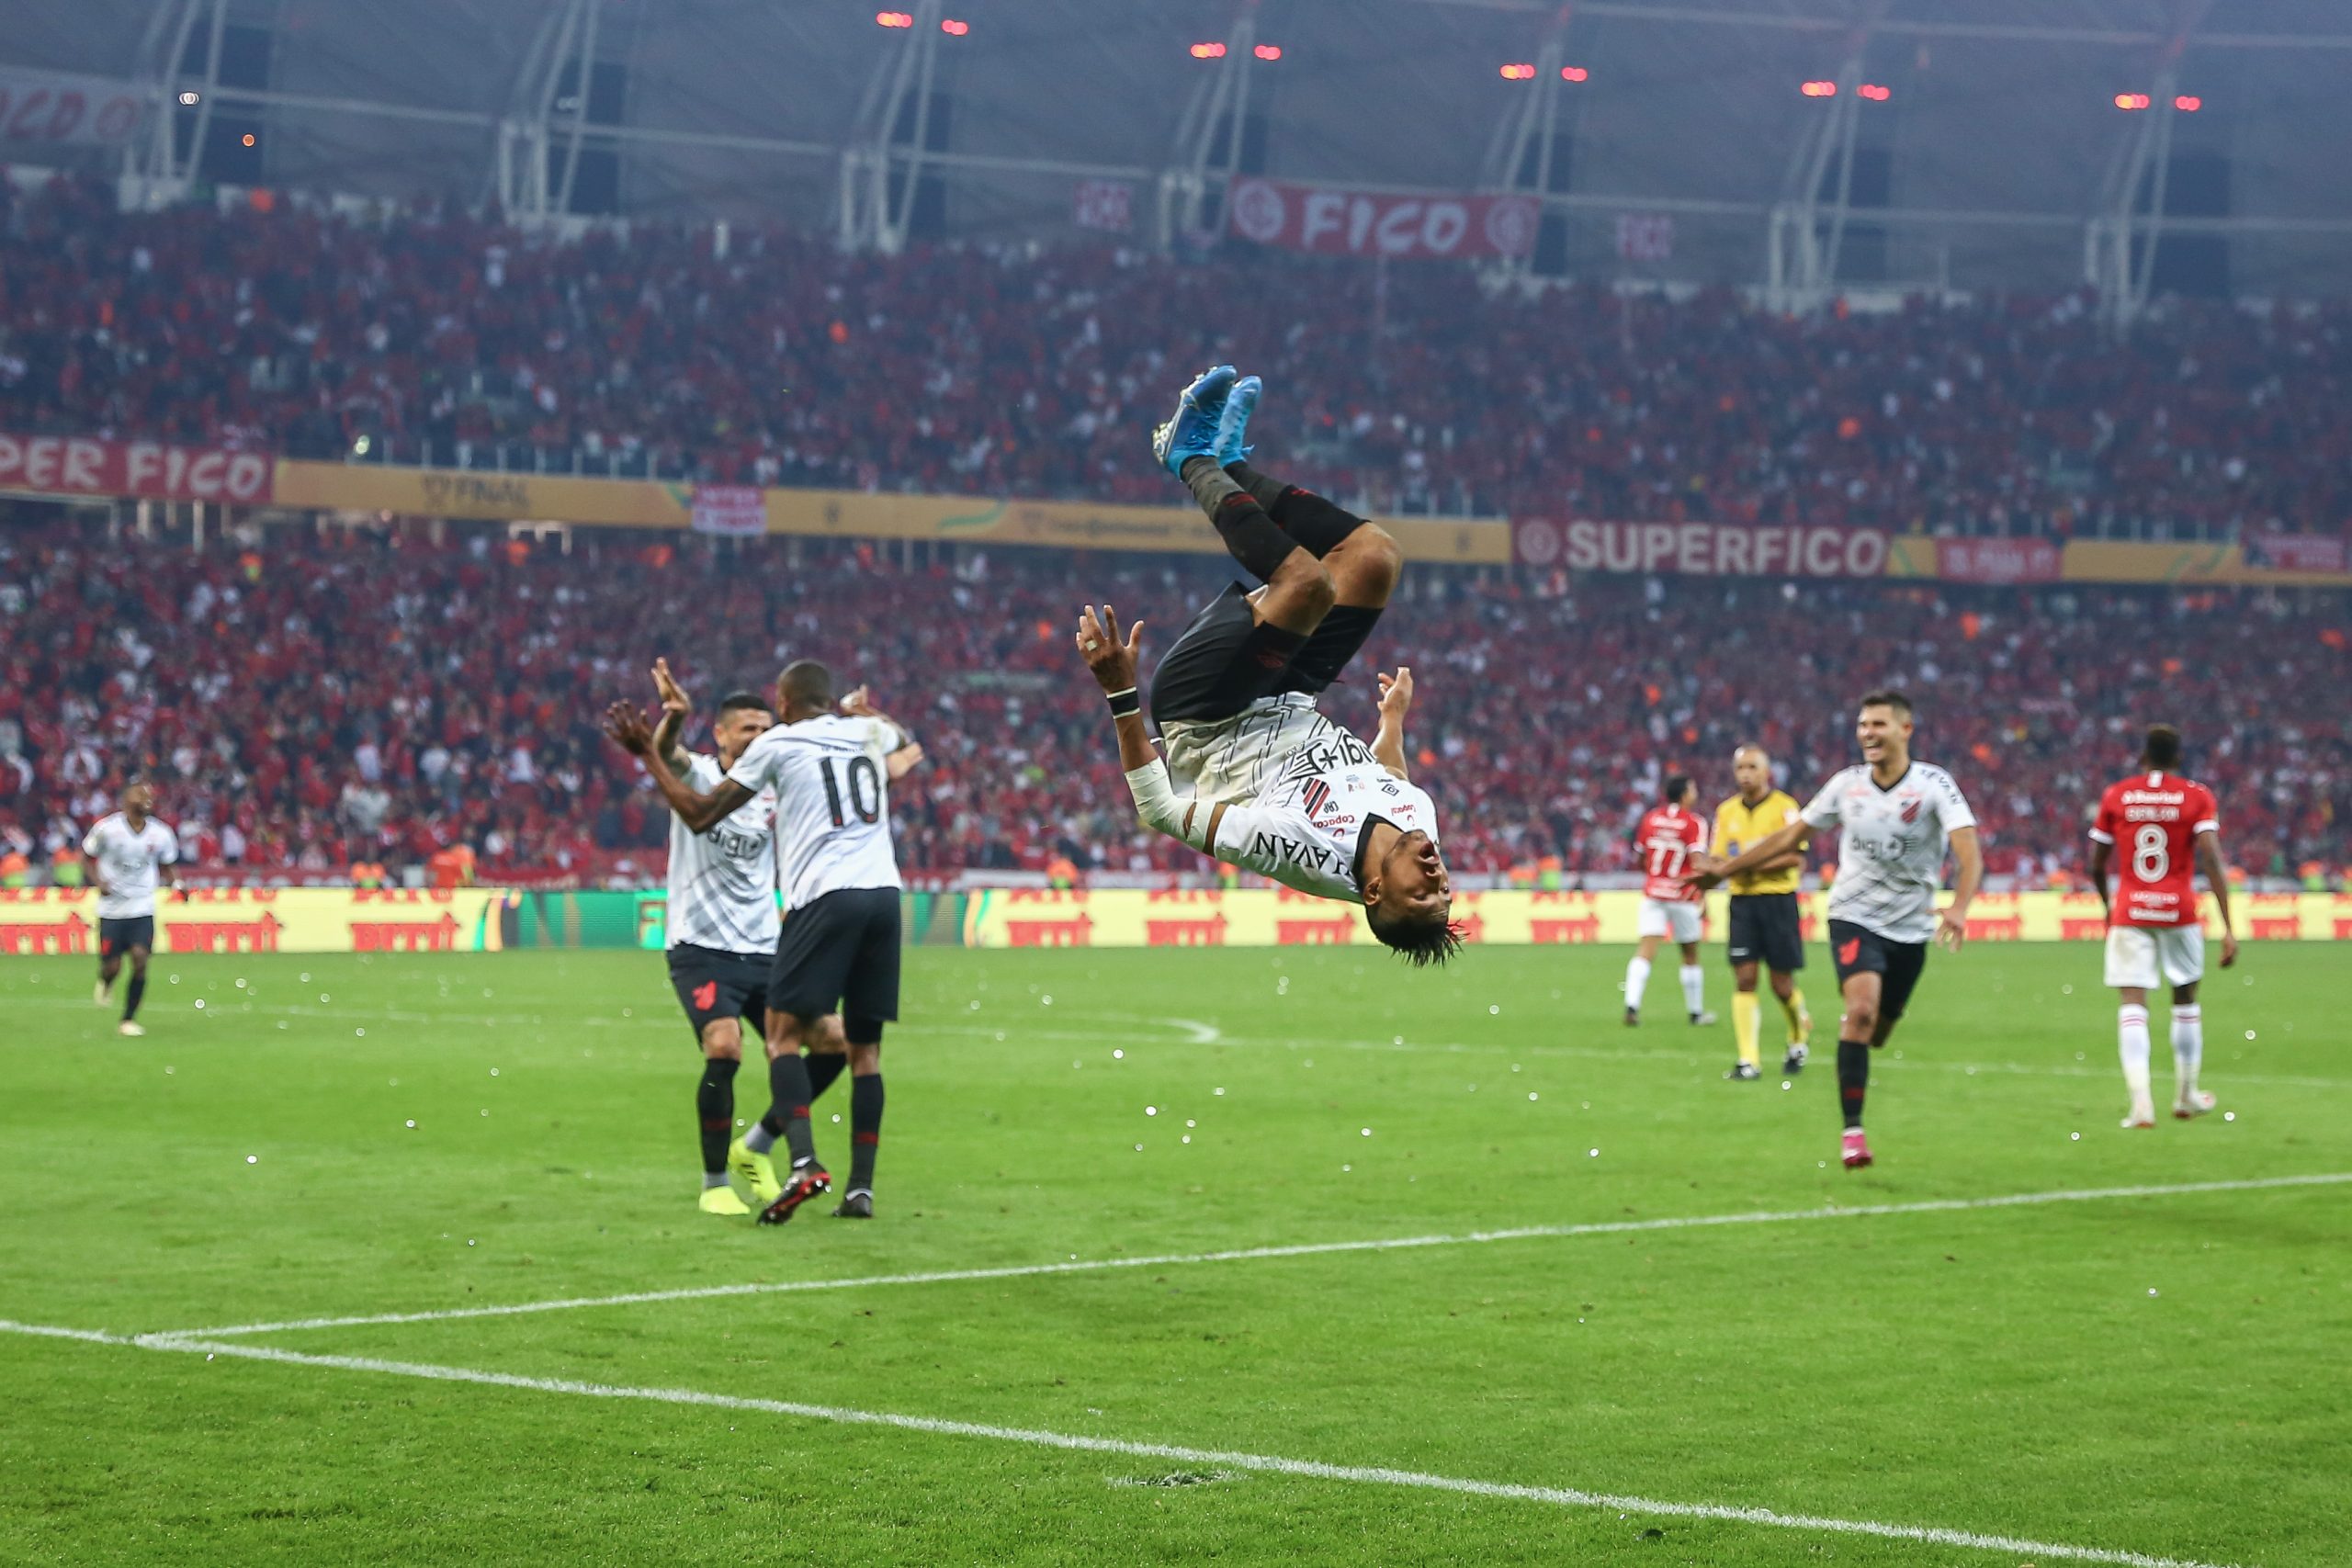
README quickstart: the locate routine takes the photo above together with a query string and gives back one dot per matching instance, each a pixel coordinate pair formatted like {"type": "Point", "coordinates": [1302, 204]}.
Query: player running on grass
{"type": "Point", "coordinates": [1896, 816]}
{"type": "Point", "coordinates": [2170, 830]}
{"type": "Point", "coordinates": [1266, 780]}
{"type": "Point", "coordinates": [126, 849]}
{"type": "Point", "coordinates": [1669, 839]}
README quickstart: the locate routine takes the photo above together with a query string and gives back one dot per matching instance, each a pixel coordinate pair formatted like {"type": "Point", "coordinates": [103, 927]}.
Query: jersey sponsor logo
{"type": "Point", "coordinates": [706, 995]}
{"type": "Point", "coordinates": [1295, 851]}
{"type": "Point", "coordinates": [1324, 755]}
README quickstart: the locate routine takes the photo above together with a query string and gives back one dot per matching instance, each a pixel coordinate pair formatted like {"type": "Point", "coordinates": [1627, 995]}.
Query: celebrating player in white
{"type": "Point", "coordinates": [825, 763]}
{"type": "Point", "coordinates": [127, 847]}
{"type": "Point", "coordinates": [1896, 817]}
{"type": "Point", "coordinates": [1669, 839]}
{"type": "Point", "coordinates": [2170, 829]}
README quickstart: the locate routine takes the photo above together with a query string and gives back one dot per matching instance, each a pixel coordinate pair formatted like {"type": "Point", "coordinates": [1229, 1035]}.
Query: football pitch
{"type": "Point", "coordinates": [1248, 1256]}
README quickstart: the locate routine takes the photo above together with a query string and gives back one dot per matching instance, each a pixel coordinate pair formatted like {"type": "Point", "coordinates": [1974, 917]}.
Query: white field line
{"type": "Point", "coordinates": [1304, 1249]}
{"type": "Point", "coordinates": [1308, 1470]}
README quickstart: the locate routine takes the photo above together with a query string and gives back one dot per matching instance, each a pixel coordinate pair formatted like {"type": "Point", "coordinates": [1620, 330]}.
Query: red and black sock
{"type": "Point", "coordinates": [1313, 523]}
{"type": "Point", "coordinates": [864, 1130]}
{"type": "Point", "coordinates": [1250, 535]}
{"type": "Point", "coordinates": [715, 1106]}
{"type": "Point", "coordinates": [789, 1116]}
{"type": "Point", "coordinates": [1853, 1079]}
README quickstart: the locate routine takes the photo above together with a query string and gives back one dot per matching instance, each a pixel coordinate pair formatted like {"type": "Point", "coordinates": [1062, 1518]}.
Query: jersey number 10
{"type": "Point", "coordinates": [864, 790]}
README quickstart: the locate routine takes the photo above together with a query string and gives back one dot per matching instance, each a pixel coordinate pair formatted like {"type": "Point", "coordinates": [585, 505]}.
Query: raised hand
{"type": "Point", "coordinates": [1396, 694]}
{"type": "Point", "coordinates": [673, 695]}
{"type": "Point", "coordinates": [1112, 657]}
{"type": "Point", "coordinates": [628, 730]}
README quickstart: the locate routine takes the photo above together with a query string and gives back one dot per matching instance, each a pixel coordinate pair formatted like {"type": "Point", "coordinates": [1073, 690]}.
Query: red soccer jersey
{"type": "Point", "coordinates": [1667, 839]}
{"type": "Point", "coordinates": [2154, 821]}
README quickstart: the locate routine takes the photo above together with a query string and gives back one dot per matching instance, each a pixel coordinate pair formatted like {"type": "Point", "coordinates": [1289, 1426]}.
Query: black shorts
{"type": "Point", "coordinates": [1765, 930]}
{"type": "Point", "coordinates": [1224, 660]}
{"type": "Point", "coordinates": [118, 937]}
{"type": "Point", "coordinates": [1858, 950]}
{"type": "Point", "coordinates": [841, 952]}
{"type": "Point", "coordinates": [712, 984]}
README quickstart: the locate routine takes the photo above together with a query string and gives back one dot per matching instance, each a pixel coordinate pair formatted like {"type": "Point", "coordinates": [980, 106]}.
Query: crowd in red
{"type": "Point", "coordinates": [302, 703]}
{"type": "Point", "coordinates": [1009, 371]}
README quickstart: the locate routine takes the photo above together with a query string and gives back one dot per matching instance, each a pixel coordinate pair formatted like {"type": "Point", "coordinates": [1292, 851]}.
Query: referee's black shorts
{"type": "Point", "coordinates": [1765, 930]}
{"type": "Point", "coordinates": [839, 952]}
{"type": "Point", "coordinates": [1859, 950]}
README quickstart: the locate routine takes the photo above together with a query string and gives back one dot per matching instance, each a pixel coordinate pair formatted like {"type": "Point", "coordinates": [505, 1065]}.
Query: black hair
{"type": "Point", "coordinates": [808, 683]}
{"type": "Point", "coordinates": [736, 702]}
{"type": "Point", "coordinates": [1419, 939]}
{"type": "Point", "coordinates": [1677, 786]}
{"type": "Point", "coordinates": [2163, 747]}
{"type": "Point", "coordinates": [1886, 699]}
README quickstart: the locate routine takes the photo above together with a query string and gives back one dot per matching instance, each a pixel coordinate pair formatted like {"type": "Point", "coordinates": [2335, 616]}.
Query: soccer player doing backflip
{"type": "Point", "coordinates": [1255, 775]}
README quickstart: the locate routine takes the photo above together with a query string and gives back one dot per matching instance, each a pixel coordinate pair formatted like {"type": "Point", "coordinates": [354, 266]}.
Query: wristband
{"type": "Point", "coordinates": [1123, 703]}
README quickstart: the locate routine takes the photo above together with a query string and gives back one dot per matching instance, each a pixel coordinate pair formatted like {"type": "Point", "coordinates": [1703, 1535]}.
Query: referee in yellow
{"type": "Point", "coordinates": [1764, 925]}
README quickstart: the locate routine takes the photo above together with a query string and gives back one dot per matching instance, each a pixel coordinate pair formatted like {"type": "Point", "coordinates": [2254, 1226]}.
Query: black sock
{"type": "Point", "coordinates": [1314, 524]}
{"type": "Point", "coordinates": [136, 989]}
{"type": "Point", "coordinates": [824, 1067]}
{"type": "Point", "coordinates": [1853, 1078]}
{"type": "Point", "coordinates": [864, 1130]}
{"type": "Point", "coordinates": [1250, 535]}
{"type": "Point", "coordinates": [788, 1083]}
{"type": "Point", "coordinates": [715, 1105]}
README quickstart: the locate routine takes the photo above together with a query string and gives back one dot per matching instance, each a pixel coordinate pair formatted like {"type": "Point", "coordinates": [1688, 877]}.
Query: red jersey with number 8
{"type": "Point", "coordinates": [2153, 820]}
{"type": "Point", "coordinates": [1667, 839]}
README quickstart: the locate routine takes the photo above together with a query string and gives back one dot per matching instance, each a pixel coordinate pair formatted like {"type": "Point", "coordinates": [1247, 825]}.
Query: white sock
{"type": "Point", "coordinates": [1637, 980]}
{"type": "Point", "coordinates": [1694, 987]}
{"type": "Point", "coordinates": [2187, 1046]}
{"type": "Point", "coordinates": [2131, 1045]}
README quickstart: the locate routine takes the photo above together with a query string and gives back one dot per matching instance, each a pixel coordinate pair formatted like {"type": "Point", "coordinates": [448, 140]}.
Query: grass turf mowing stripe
{"type": "Point", "coordinates": [1302, 1249]}
{"type": "Point", "coordinates": [1309, 1470]}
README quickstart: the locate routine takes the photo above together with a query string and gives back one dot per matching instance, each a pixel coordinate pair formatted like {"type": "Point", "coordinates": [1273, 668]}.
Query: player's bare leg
{"type": "Point", "coordinates": [2188, 1054]}
{"type": "Point", "coordinates": [2131, 1048]}
{"type": "Point", "coordinates": [132, 993]}
{"type": "Point", "coordinates": [1861, 1031]}
{"type": "Point", "coordinates": [788, 1115]}
{"type": "Point", "coordinates": [1637, 977]}
{"type": "Point", "coordinates": [109, 966]}
{"type": "Point", "coordinates": [722, 1055]}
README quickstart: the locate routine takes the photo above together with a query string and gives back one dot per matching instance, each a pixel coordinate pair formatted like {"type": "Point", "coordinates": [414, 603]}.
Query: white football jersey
{"type": "Point", "coordinates": [1891, 854]}
{"type": "Point", "coordinates": [722, 883]}
{"type": "Point", "coordinates": [832, 811]}
{"type": "Point", "coordinates": [1303, 827]}
{"type": "Point", "coordinates": [127, 862]}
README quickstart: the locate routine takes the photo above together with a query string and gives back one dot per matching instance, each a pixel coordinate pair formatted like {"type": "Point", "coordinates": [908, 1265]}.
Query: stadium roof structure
{"type": "Point", "coordinates": [1810, 145]}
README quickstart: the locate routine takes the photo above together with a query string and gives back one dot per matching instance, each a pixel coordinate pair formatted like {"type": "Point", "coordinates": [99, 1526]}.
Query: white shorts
{"type": "Point", "coordinates": [1233, 759]}
{"type": "Point", "coordinates": [2143, 958]}
{"type": "Point", "coordinates": [1679, 920]}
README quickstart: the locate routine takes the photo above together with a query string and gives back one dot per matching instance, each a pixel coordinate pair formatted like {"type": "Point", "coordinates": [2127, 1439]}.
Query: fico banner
{"type": "Point", "coordinates": [80, 465]}
{"type": "Point", "coordinates": [1709, 549]}
{"type": "Point", "coordinates": [62, 922]}
{"type": "Point", "coordinates": [1378, 223]}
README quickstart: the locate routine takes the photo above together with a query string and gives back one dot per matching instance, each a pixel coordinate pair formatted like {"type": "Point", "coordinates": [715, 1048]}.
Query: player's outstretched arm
{"type": "Point", "coordinates": [1113, 661]}
{"type": "Point", "coordinates": [2217, 877]}
{"type": "Point", "coordinates": [1395, 702]}
{"type": "Point", "coordinates": [676, 708]}
{"type": "Point", "coordinates": [1762, 852]}
{"type": "Point", "coordinates": [699, 812]}
{"type": "Point", "coordinates": [903, 760]}
{"type": "Point", "coordinates": [1951, 922]}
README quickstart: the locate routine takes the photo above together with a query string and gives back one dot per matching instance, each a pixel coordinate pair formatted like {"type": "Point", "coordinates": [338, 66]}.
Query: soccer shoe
{"type": "Point", "coordinates": [1745, 1072]}
{"type": "Point", "coordinates": [857, 1206]}
{"type": "Point", "coordinates": [1793, 1062]}
{"type": "Point", "coordinates": [102, 994]}
{"type": "Point", "coordinates": [2193, 1105]}
{"type": "Point", "coordinates": [129, 1030]}
{"type": "Point", "coordinates": [1233, 423]}
{"type": "Point", "coordinates": [1190, 431]}
{"type": "Point", "coordinates": [805, 1183]}
{"type": "Point", "coordinates": [1703, 1021]}
{"type": "Point", "coordinates": [1633, 1018]}
{"type": "Point", "coordinates": [2141, 1116]}
{"type": "Point", "coordinates": [722, 1200]}
{"type": "Point", "coordinates": [756, 1171]}
{"type": "Point", "coordinates": [1856, 1150]}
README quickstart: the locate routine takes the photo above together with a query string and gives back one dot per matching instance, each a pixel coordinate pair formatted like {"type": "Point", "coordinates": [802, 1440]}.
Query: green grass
{"type": "Point", "coordinates": [2160, 1374]}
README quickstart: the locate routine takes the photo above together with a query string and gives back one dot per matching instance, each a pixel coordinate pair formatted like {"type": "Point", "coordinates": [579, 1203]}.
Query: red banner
{"type": "Point", "coordinates": [74, 465]}
{"type": "Point", "coordinates": [1374, 223]}
{"type": "Point", "coordinates": [1998, 560]}
{"type": "Point", "coordinates": [2296, 552]}
{"type": "Point", "coordinates": [44, 108]}
{"type": "Point", "coordinates": [737, 511]}
{"type": "Point", "coordinates": [1700, 549]}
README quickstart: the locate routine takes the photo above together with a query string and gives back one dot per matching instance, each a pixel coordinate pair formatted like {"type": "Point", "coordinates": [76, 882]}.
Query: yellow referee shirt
{"type": "Point", "coordinates": [1738, 825]}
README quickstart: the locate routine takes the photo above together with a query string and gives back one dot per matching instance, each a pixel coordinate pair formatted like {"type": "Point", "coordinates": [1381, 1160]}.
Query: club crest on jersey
{"type": "Point", "coordinates": [1911, 811]}
{"type": "Point", "coordinates": [1316, 796]}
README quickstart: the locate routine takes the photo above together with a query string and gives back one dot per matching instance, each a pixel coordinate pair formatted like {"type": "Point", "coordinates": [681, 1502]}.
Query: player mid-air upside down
{"type": "Point", "coordinates": [1268, 783]}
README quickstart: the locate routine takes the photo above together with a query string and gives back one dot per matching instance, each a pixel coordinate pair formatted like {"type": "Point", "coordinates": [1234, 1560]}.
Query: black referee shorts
{"type": "Point", "coordinates": [841, 951]}
{"type": "Point", "coordinates": [1765, 930]}
{"type": "Point", "coordinates": [712, 984]}
{"type": "Point", "coordinates": [1860, 950]}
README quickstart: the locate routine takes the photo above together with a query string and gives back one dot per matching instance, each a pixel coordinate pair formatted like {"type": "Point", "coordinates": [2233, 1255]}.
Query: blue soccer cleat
{"type": "Point", "coordinates": [1233, 423]}
{"type": "Point", "coordinates": [1192, 433]}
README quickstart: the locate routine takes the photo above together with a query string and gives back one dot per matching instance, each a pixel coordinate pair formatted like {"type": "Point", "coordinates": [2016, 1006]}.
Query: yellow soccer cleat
{"type": "Point", "coordinates": [755, 1171]}
{"type": "Point", "coordinates": [722, 1200]}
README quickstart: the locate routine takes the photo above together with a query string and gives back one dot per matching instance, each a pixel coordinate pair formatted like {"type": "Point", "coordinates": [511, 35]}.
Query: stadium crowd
{"type": "Point", "coordinates": [1010, 371]}
{"type": "Point", "coordinates": [304, 702]}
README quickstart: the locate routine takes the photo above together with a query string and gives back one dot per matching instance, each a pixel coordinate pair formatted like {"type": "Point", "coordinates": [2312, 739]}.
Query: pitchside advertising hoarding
{"type": "Point", "coordinates": [62, 922]}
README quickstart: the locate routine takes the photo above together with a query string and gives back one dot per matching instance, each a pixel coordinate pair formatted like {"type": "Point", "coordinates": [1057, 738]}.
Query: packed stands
{"type": "Point", "coordinates": [307, 702]}
{"type": "Point", "coordinates": [1013, 371]}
